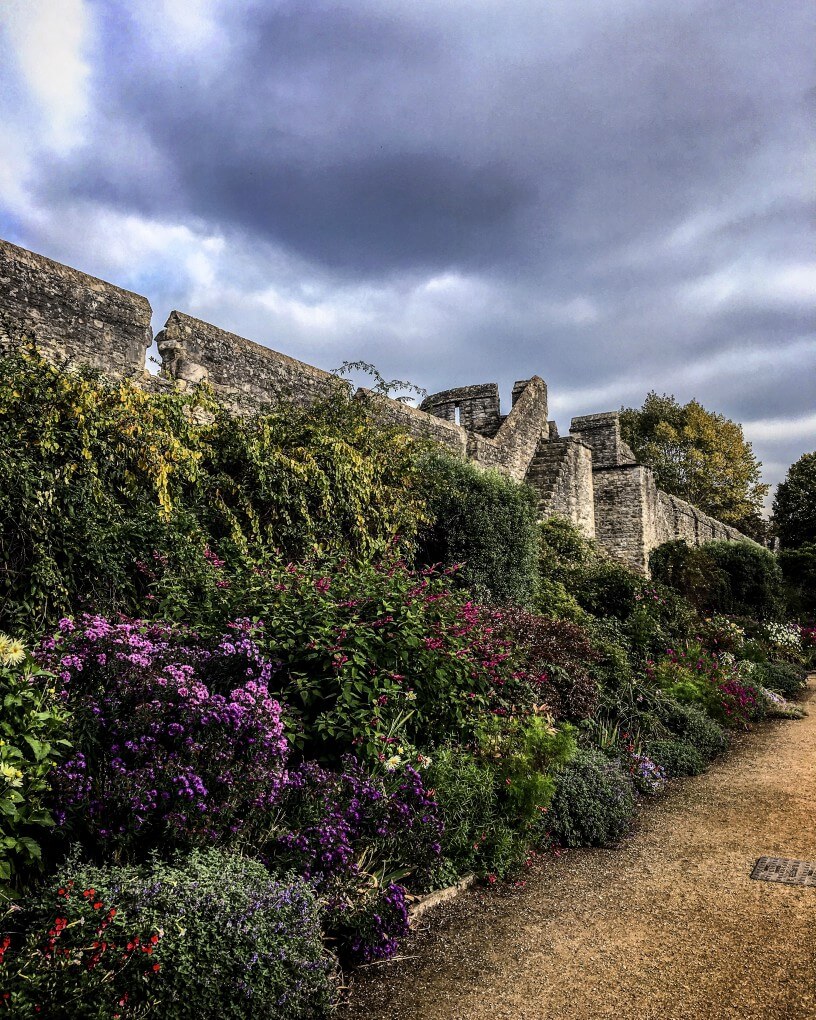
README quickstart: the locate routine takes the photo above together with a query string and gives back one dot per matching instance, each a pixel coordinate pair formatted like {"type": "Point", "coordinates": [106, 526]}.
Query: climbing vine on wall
{"type": "Point", "coordinates": [97, 477]}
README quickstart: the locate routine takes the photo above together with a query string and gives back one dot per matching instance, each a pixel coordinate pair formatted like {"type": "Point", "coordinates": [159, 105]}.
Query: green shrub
{"type": "Point", "coordinates": [217, 936]}
{"type": "Point", "coordinates": [494, 800]}
{"type": "Point", "coordinates": [782, 677]}
{"type": "Point", "coordinates": [485, 522]}
{"type": "Point", "coordinates": [33, 731]}
{"type": "Point", "coordinates": [594, 801]}
{"type": "Point", "coordinates": [526, 753]}
{"type": "Point", "coordinates": [722, 577]}
{"type": "Point", "coordinates": [694, 727]}
{"type": "Point", "coordinates": [478, 837]}
{"type": "Point", "coordinates": [799, 571]}
{"type": "Point", "coordinates": [101, 480]}
{"type": "Point", "coordinates": [676, 757]}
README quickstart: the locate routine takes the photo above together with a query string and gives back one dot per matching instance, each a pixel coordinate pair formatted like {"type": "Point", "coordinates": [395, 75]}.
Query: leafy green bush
{"type": "Point", "coordinates": [478, 836]}
{"type": "Point", "coordinates": [676, 757]}
{"type": "Point", "coordinates": [799, 571]}
{"type": "Point", "coordinates": [493, 800]}
{"type": "Point", "coordinates": [594, 801]}
{"type": "Point", "coordinates": [33, 731]}
{"type": "Point", "coordinates": [782, 677]}
{"type": "Point", "coordinates": [694, 727]}
{"type": "Point", "coordinates": [97, 477]}
{"type": "Point", "coordinates": [722, 577]}
{"type": "Point", "coordinates": [212, 935]}
{"type": "Point", "coordinates": [486, 523]}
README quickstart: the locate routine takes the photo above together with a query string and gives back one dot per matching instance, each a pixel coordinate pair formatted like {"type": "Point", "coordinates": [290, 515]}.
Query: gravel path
{"type": "Point", "coordinates": [667, 927]}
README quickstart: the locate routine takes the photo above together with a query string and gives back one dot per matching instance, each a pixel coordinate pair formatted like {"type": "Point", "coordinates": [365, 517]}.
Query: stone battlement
{"type": "Point", "coordinates": [591, 477]}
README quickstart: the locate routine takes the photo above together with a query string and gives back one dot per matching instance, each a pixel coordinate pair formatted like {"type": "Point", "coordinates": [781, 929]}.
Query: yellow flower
{"type": "Point", "coordinates": [4, 645]}
{"type": "Point", "coordinates": [14, 777]}
{"type": "Point", "coordinates": [13, 654]}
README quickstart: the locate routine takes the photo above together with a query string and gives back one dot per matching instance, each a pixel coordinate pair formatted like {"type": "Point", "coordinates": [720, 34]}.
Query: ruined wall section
{"type": "Point", "coordinates": [678, 519]}
{"type": "Point", "coordinates": [72, 316]}
{"type": "Point", "coordinates": [622, 496]}
{"type": "Point", "coordinates": [514, 444]}
{"type": "Point", "coordinates": [561, 474]}
{"type": "Point", "coordinates": [245, 374]}
{"type": "Point", "coordinates": [602, 434]}
{"type": "Point", "coordinates": [476, 407]}
{"type": "Point", "coordinates": [418, 423]}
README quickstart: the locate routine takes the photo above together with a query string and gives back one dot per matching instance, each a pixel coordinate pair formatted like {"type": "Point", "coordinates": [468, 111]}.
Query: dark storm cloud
{"type": "Point", "coordinates": [371, 143]}
{"type": "Point", "coordinates": [619, 191]}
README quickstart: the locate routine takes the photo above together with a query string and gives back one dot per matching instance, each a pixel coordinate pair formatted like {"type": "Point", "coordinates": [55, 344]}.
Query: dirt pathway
{"type": "Point", "coordinates": [668, 927]}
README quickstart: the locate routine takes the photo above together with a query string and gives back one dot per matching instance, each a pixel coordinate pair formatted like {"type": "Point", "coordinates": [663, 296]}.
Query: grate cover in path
{"type": "Point", "coordinates": [780, 869]}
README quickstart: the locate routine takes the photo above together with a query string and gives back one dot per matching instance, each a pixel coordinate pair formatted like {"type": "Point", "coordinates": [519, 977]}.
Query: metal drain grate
{"type": "Point", "coordinates": [780, 869]}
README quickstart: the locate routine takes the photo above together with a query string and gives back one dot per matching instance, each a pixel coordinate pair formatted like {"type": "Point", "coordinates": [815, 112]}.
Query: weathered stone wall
{"type": "Point", "coordinates": [592, 477]}
{"type": "Point", "coordinates": [72, 316]}
{"type": "Point", "coordinates": [477, 406]}
{"type": "Point", "coordinates": [524, 427]}
{"type": "Point", "coordinates": [419, 423]}
{"type": "Point", "coordinates": [602, 434]}
{"type": "Point", "coordinates": [512, 447]}
{"type": "Point", "coordinates": [561, 472]}
{"type": "Point", "coordinates": [244, 373]}
{"type": "Point", "coordinates": [621, 495]}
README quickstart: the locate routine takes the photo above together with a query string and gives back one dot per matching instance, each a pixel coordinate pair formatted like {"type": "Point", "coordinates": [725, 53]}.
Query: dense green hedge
{"type": "Point", "coordinates": [485, 522]}
{"type": "Point", "coordinates": [722, 577]}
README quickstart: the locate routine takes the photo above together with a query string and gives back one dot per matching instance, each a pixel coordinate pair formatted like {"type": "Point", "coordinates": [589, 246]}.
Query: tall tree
{"type": "Point", "coordinates": [794, 509]}
{"type": "Point", "coordinates": [701, 456]}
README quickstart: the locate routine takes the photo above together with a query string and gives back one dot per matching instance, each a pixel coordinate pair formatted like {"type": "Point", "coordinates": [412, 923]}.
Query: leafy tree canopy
{"type": "Point", "coordinates": [700, 456]}
{"type": "Point", "coordinates": [794, 510]}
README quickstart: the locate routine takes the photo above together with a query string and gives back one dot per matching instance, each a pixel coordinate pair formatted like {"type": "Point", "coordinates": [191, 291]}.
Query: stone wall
{"type": "Point", "coordinates": [602, 434]}
{"type": "Point", "coordinates": [244, 373]}
{"type": "Point", "coordinates": [561, 473]}
{"type": "Point", "coordinates": [72, 316]}
{"type": "Point", "coordinates": [419, 423]}
{"type": "Point", "coordinates": [477, 407]}
{"type": "Point", "coordinates": [591, 477]}
{"type": "Point", "coordinates": [633, 516]}
{"type": "Point", "coordinates": [506, 443]}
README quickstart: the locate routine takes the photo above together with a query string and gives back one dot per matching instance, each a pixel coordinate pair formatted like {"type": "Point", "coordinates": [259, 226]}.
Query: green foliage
{"type": "Point", "coordinates": [677, 757]}
{"type": "Point", "coordinates": [486, 523]}
{"type": "Point", "coordinates": [494, 799]}
{"type": "Point", "coordinates": [372, 653]}
{"type": "Point", "coordinates": [782, 677]}
{"type": "Point", "coordinates": [205, 925]}
{"type": "Point", "coordinates": [722, 577]}
{"type": "Point", "coordinates": [95, 474]}
{"type": "Point", "coordinates": [699, 455]}
{"type": "Point", "coordinates": [594, 802]}
{"type": "Point", "coordinates": [478, 837]}
{"type": "Point", "coordinates": [794, 509]}
{"type": "Point", "coordinates": [33, 727]}
{"type": "Point", "coordinates": [799, 571]}
{"type": "Point", "coordinates": [694, 727]}
{"type": "Point", "coordinates": [526, 753]}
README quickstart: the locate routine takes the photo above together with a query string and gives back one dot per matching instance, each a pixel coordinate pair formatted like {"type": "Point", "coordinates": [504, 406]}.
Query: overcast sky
{"type": "Point", "coordinates": [612, 194]}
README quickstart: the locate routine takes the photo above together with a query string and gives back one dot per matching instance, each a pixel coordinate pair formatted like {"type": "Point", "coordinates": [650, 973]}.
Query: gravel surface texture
{"type": "Point", "coordinates": [669, 926]}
